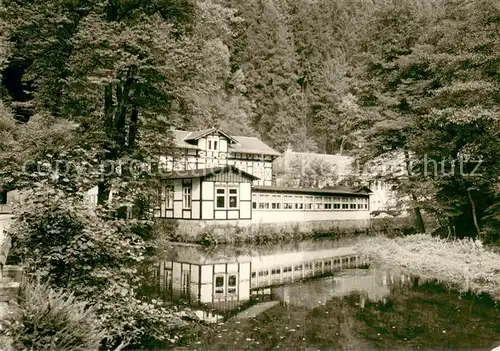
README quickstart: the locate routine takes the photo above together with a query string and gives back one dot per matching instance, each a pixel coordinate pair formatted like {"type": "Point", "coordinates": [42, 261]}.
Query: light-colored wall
{"type": "Point", "coordinates": [208, 191]}
{"type": "Point", "coordinates": [274, 216]}
{"type": "Point", "coordinates": [207, 211]}
{"type": "Point", "coordinates": [246, 210]}
{"type": "Point", "coordinates": [177, 189]}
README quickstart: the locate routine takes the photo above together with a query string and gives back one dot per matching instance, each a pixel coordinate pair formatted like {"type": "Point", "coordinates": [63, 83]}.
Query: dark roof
{"type": "Point", "coordinates": [334, 191]}
{"type": "Point", "coordinates": [203, 172]}
{"type": "Point", "coordinates": [179, 136]}
{"type": "Point", "coordinates": [243, 144]}
{"type": "Point", "coordinates": [252, 145]}
{"type": "Point", "coordinates": [201, 133]}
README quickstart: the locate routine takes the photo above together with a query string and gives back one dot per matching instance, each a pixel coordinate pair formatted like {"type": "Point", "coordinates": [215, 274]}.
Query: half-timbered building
{"type": "Point", "coordinates": [213, 147]}
{"type": "Point", "coordinates": [220, 177]}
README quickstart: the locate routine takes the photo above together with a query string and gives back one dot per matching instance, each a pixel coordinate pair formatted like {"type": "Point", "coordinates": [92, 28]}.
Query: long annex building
{"type": "Point", "coordinates": [219, 177]}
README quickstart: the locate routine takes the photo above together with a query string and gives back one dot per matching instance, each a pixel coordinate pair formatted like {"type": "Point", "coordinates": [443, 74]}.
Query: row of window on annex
{"type": "Point", "coordinates": [308, 202]}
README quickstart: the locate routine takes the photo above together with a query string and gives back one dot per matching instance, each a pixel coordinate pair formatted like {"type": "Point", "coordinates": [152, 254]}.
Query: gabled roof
{"type": "Point", "coordinates": [203, 172]}
{"type": "Point", "coordinates": [201, 133]}
{"type": "Point", "coordinates": [179, 136]}
{"type": "Point", "coordinates": [242, 144]}
{"type": "Point", "coordinates": [331, 191]}
{"type": "Point", "coordinates": [252, 145]}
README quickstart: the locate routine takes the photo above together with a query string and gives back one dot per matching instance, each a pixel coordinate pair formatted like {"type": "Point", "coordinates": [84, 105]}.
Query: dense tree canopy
{"type": "Point", "coordinates": [89, 82]}
{"type": "Point", "coordinates": [418, 78]}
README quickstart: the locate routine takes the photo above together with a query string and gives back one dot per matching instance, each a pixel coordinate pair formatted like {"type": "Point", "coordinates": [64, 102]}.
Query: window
{"type": "Point", "coordinates": [275, 271]}
{"type": "Point", "coordinates": [212, 145]}
{"type": "Point", "coordinates": [287, 202]}
{"type": "Point", "coordinates": [186, 199]}
{"type": "Point", "coordinates": [308, 203]}
{"type": "Point", "coordinates": [298, 267]}
{"type": "Point", "coordinates": [336, 203]}
{"type": "Point", "coordinates": [263, 273]}
{"type": "Point", "coordinates": [233, 198]}
{"type": "Point", "coordinates": [219, 284]}
{"type": "Point", "coordinates": [276, 202]}
{"type": "Point", "coordinates": [352, 203]}
{"type": "Point", "coordinates": [263, 202]}
{"type": "Point", "coordinates": [220, 194]}
{"type": "Point", "coordinates": [255, 199]}
{"type": "Point", "coordinates": [231, 285]}
{"type": "Point", "coordinates": [345, 203]}
{"type": "Point", "coordinates": [169, 196]}
{"type": "Point", "coordinates": [328, 202]}
{"type": "Point", "coordinates": [360, 203]}
{"type": "Point", "coordinates": [226, 198]}
{"type": "Point", "coordinates": [318, 202]}
{"type": "Point", "coordinates": [287, 269]}
{"type": "Point", "coordinates": [299, 202]}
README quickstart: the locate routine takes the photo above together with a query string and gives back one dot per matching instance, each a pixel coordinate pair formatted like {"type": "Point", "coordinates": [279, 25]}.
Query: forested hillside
{"type": "Point", "coordinates": [415, 77]}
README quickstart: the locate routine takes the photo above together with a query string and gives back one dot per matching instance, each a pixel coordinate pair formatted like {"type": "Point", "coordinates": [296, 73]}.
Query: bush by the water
{"type": "Point", "coordinates": [213, 234]}
{"type": "Point", "coordinates": [50, 319]}
{"type": "Point", "coordinates": [166, 231]}
{"type": "Point", "coordinates": [69, 246]}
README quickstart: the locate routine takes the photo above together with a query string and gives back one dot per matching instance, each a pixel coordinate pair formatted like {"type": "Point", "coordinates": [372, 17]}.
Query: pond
{"type": "Point", "coordinates": [317, 295]}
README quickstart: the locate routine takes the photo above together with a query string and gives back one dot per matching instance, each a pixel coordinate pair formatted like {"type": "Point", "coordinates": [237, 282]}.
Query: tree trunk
{"type": "Point", "coordinates": [418, 213]}
{"type": "Point", "coordinates": [132, 135]}
{"type": "Point", "coordinates": [123, 98]}
{"type": "Point", "coordinates": [418, 216]}
{"type": "Point", "coordinates": [103, 188]}
{"type": "Point", "coordinates": [474, 216]}
{"type": "Point", "coordinates": [108, 110]}
{"type": "Point", "coordinates": [341, 149]}
{"type": "Point", "coordinates": [103, 191]}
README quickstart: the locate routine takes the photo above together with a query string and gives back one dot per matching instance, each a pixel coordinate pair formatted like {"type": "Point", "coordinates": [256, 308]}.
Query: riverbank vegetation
{"type": "Point", "coordinates": [411, 318]}
{"type": "Point", "coordinates": [77, 250]}
{"type": "Point", "coordinates": [464, 264]}
{"type": "Point", "coordinates": [167, 231]}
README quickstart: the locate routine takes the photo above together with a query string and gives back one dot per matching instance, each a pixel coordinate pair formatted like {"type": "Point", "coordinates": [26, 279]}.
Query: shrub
{"type": "Point", "coordinates": [53, 320]}
{"type": "Point", "coordinates": [70, 246]}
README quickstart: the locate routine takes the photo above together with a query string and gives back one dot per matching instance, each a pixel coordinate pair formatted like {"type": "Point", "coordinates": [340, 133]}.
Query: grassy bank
{"type": "Point", "coordinates": [465, 264]}
{"type": "Point", "coordinates": [425, 317]}
{"type": "Point", "coordinates": [216, 234]}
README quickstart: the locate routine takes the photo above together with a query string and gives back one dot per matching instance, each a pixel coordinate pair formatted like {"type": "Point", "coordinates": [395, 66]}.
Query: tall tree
{"type": "Point", "coordinates": [432, 80]}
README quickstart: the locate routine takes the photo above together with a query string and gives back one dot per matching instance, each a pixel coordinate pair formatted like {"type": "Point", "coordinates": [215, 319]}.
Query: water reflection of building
{"type": "Point", "coordinates": [372, 284]}
{"type": "Point", "coordinates": [225, 283]}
